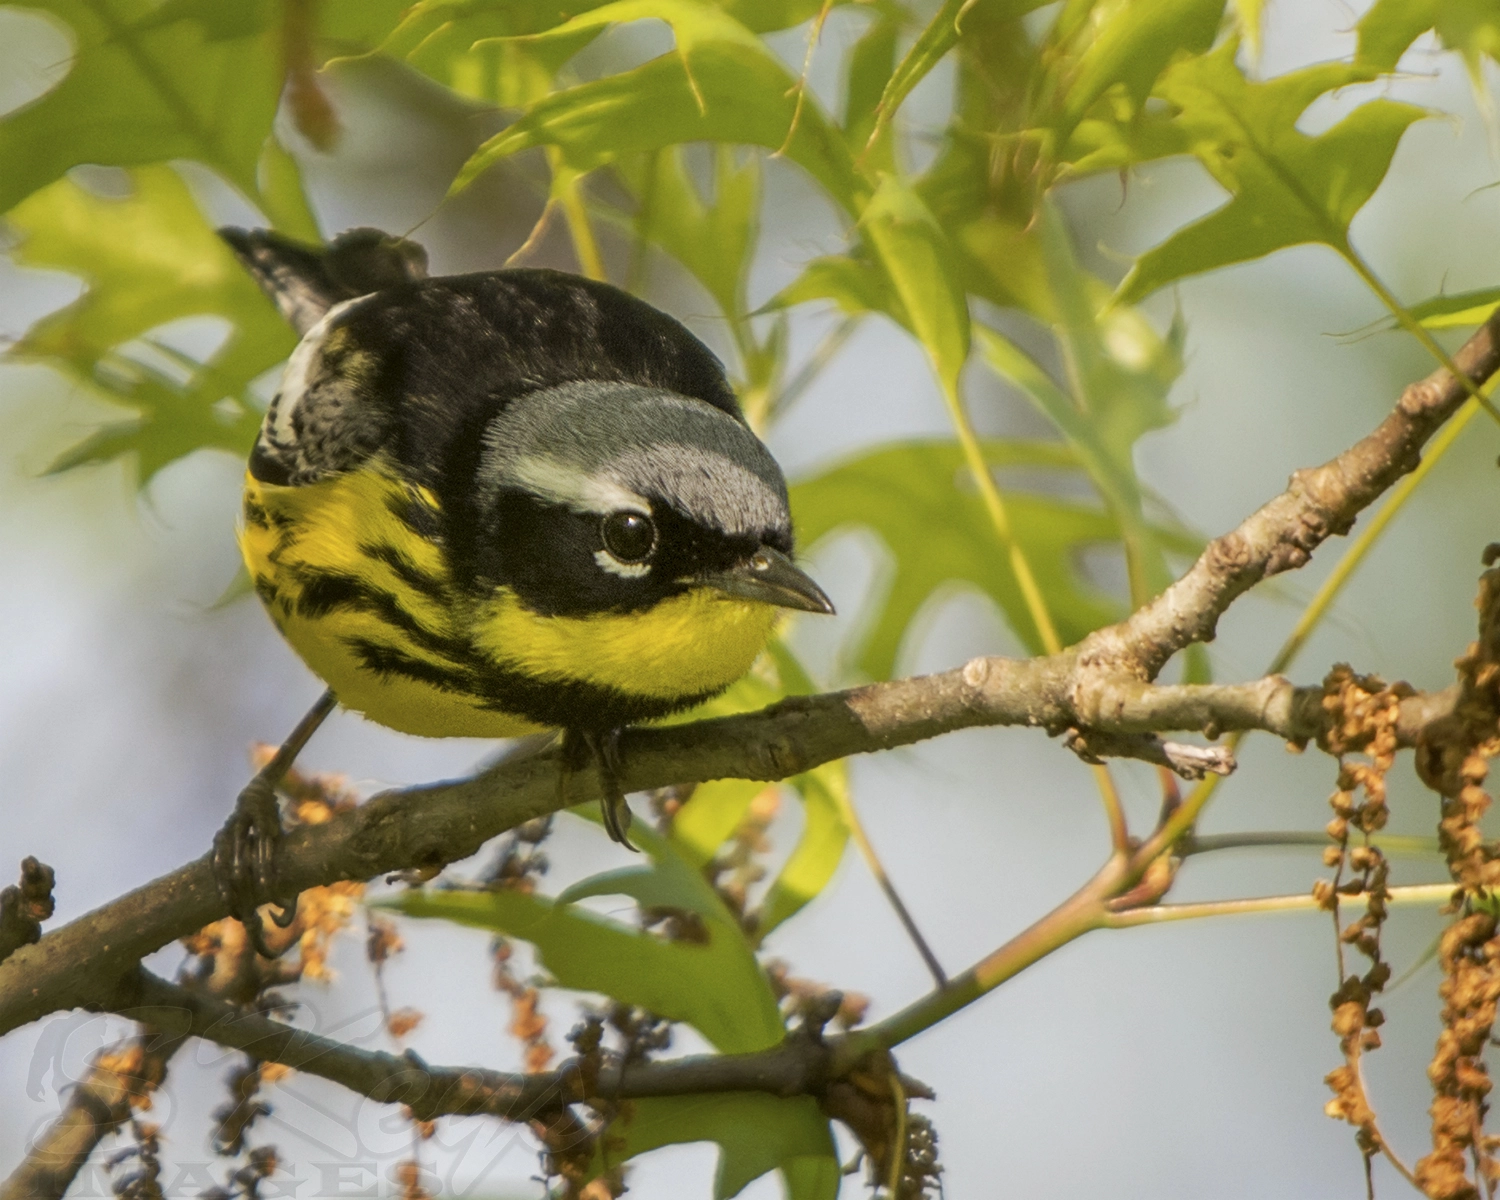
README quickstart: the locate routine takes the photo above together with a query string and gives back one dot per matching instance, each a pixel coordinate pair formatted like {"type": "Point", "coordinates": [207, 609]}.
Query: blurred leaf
{"type": "Point", "coordinates": [716, 987]}
{"type": "Point", "coordinates": [938, 37]}
{"type": "Point", "coordinates": [1471, 27]}
{"type": "Point", "coordinates": [201, 80]}
{"type": "Point", "coordinates": [1097, 145]}
{"type": "Point", "coordinates": [820, 849]}
{"type": "Point", "coordinates": [1119, 373]}
{"type": "Point", "coordinates": [855, 285]}
{"type": "Point", "coordinates": [1132, 45]}
{"type": "Point", "coordinates": [1287, 187]}
{"type": "Point", "coordinates": [720, 84]}
{"type": "Point", "coordinates": [148, 259]}
{"type": "Point", "coordinates": [1250, 14]}
{"type": "Point", "coordinates": [755, 1132]}
{"type": "Point", "coordinates": [916, 496]}
{"type": "Point", "coordinates": [916, 258]}
{"type": "Point", "coordinates": [870, 66]}
{"type": "Point", "coordinates": [711, 815]}
{"type": "Point", "coordinates": [714, 239]}
{"type": "Point", "coordinates": [149, 82]}
{"type": "Point", "coordinates": [1456, 310]}
{"type": "Point", "coordinates": [465, 45]}
{"type": "Point", "coordinates": [766, 16]}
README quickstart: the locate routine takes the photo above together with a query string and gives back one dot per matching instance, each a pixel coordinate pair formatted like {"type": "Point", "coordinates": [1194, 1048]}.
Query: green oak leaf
{"type": "Point", "coordinates": [1118, 374]}
{"type": "Point", "coordinates": [918, 500]}
{"type": "Point", "coordinates": [715, 986]}
{"type": "Point", "coordinates": [720, 84]}
{"type": "Point", "coordinates": [810, 867]}
{"type": "Point", "coordinates": [907, 243]}
{"type": "Point", "coordinates": [938, 37]}
{"type": "Point", "coordinates": [1470, 27]}
{"type": "Point", "coordinates": [1250, 15]}
{"type": "Point", "coordinates": [148, 82]}
{"type": "Point", "coordinates": [147, 259]}
{"type": "Point", "coordinates": [188, 86]}
{"type": "Point", "coordinates": [1130, 45]}
{"type": "Point", "coordinates": [856, 285]}
{"type": "Point", "coordinates": [870, 66]}
{"type": "Point", "coordinates": [1287, 187]}
{"type": "Point", "coordinates": [467, 45]}
{"type": "Point", "coordinates": [715, 238]}
{"type": "Point", "coordinates": [756, 1133]}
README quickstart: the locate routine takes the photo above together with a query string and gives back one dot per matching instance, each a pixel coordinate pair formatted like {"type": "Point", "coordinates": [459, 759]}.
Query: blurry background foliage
{"type": "Point", "coordinates": [633, 140]}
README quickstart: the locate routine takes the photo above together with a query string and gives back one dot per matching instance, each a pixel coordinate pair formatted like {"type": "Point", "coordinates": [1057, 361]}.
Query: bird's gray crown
{"type": "Point", "coordinates": [600, 447]}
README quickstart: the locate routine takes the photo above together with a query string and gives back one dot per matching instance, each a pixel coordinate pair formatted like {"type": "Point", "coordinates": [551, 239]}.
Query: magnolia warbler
{"type": "Point", "coordinates": [492, 504]}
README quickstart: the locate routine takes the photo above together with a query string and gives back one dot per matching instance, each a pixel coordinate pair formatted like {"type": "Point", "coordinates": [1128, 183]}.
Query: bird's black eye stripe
{"type": "Point", "coordinates": [629, 536]}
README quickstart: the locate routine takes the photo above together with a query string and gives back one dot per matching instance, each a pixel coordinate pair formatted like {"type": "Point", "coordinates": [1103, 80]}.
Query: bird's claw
{"type": "Point", "coordinates": [244, 862]}
{"type": "Point", "coordinates": [580, 746]}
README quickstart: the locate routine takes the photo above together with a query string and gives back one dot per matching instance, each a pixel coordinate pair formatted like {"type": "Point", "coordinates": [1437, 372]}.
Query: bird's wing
{"type": "Point", "coordinates": [322, 421]}
{"type": "Point", "coordinates": [306, 281]}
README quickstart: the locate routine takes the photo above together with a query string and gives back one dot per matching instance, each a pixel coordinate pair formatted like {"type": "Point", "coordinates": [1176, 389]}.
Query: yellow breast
{"type": "Point", "coordinates": [370, 606]}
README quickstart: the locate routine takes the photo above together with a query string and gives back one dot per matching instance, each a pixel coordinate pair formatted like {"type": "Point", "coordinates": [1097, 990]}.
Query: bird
{"type": "Point", "coordinates": [495, 504]}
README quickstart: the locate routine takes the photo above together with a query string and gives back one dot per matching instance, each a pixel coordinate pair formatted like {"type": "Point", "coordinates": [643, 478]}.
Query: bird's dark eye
{"type": "Point", "coordinates": [629, 536]}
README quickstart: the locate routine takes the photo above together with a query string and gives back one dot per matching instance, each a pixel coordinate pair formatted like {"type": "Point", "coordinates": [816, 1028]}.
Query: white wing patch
{"type": "Point", "coordinates": [279, 429]}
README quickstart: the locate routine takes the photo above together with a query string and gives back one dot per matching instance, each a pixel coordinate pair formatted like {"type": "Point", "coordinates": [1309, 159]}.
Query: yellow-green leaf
{"type": "Point", "coordinates": [917, 497]}
{"type": "Point", "coordinates": [147, 259]}
{"type": "Point", "coordinates": [1470, 27]}
{"type": "Point", "coordinates": [1287, 187]}
{"type": "Point", "coordinates": [720, 84]}
{"type": "Point", "coordinates": [820, 849]}
{"type": "Point", "coordinates": [715, 986]}
{"type": "Point", "coordinates": [917, 260]}
{"type": "Point", "coordinates": [756, 1133]}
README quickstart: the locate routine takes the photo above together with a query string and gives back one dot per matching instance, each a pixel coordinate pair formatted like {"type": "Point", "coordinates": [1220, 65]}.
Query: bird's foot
{"type": "Point", "coordinates": [584, 747]}
{"type": "Point", "coordinates": [245, 861]}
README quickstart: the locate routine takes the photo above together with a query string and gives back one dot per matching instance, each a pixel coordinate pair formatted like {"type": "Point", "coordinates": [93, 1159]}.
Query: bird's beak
{"type": "Point", "coordinates": [771, 577]}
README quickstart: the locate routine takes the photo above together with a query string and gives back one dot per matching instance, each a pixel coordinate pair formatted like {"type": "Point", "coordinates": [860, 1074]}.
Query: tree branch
{"type": "Point", "coordinates": [797, 1066]}
{"type": "Point", "coordinates": [1101, 687]}
{"type": "Point", "coordinates": [95, 1108]}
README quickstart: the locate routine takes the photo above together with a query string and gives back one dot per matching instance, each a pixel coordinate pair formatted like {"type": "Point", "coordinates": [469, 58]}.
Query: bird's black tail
{"type": "Point", "coordinates": [306, 281]}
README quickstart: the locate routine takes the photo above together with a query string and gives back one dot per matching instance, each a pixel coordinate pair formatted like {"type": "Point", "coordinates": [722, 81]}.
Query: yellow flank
{"type": "Point", "coordinates": [690, 645]}
{"type": "Point", "coordinates": [323, 526]}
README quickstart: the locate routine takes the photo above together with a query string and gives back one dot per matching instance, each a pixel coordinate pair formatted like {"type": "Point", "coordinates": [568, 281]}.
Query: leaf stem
{"type": "Point", "coordinates": [1031, 592]}
{"type": "Point", "coordinates": [1412, 894]}
{"type": "Point", "coordinates": [1413, 326]}
{"type": "Point", "coordinates": [898, 1094]}
{"type": "Point", "coordinates": [570, 199]}
{"type": "Point", "coordinates": [872, 860]}
{"type": "Point", "coordinates": [1075, 916]}
{"type": "Point", "coordinates": [1388, 843]}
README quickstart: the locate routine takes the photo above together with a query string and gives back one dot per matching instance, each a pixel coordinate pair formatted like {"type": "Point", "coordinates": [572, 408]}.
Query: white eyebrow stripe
{"type": "Point", "coordinates": [582, 491]}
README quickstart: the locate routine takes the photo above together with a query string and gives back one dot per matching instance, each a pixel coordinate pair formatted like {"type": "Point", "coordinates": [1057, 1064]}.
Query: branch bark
{"type": "Point", "coordinates": [98, 1106]}
{"type": "Point", "coordinates": [799, 1065]}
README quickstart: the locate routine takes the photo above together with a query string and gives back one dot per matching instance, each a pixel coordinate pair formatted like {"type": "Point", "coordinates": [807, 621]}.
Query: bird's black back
{"type": "Point", "coordinates": [453, 352]}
